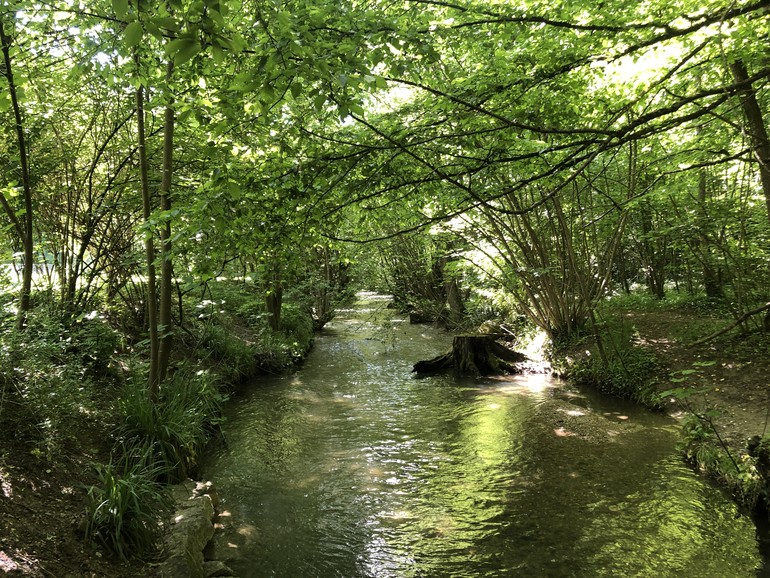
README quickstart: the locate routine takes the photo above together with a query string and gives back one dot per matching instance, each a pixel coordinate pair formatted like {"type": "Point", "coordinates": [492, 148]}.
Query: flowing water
{"type": "Point", "coordinates": [352, 467]}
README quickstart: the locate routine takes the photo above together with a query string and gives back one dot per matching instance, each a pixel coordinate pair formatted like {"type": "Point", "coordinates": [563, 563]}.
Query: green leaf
{"type": "Point", "coordinates": [182, 49]}
{"type": "Point", "coordinates": [133, 34]}
{"type": "Point", "coordinates": [218, 54]}
{"type": "Point", "coordinates": [120, 7]}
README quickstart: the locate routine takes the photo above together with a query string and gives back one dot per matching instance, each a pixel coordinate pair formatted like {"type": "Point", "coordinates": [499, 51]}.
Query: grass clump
{"type": "Point", "coordinates": [125, 509]}
{"type": "Point", "coordinates": [167, 435]}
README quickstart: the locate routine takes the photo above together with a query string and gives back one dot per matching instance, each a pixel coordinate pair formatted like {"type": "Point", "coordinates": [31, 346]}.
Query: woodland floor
{"type": "Point", "coordinates": [42, 500]}
{"type": "Point", "coordinates": [730, 373]}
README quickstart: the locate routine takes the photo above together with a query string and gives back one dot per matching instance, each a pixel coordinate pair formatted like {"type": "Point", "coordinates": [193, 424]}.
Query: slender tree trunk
{"type": "Point", "coordinates": [757, 130]}
{"type": "Point", "coordinates": [23, 226]}
{"type": "Point", "coordinates": [755, 124]}
{"type": "Point", "coordinates": [149, 248]}
{"type": "Point", "coordinates": [166, 272]}
{"type": "Point", "coordinates": [274, 299]}
{"type": "Point", "coordinates": [710, 276]}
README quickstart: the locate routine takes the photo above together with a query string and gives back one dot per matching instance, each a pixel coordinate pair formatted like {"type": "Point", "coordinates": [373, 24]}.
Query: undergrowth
{"type": "Point", "coordinates": [167, 435]}
{"type": "Point", "coordinates": [611, 362]}
{"type": "Point", "coordinates": [125, 509]}
{"type": "Point", "coordinates": [745, 473]}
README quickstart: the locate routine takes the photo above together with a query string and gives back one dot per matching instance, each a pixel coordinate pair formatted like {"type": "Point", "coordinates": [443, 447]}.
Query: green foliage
{"type": "Point", "coordinates": [297, 327]}
{"type": "Point", "coordinates": [125, 509]}
{"type": "Point", "coordinates": [628, 374]}
{"type": "Point", "coordinates": [49, 371]}
{"type": "Point", "coordinates": [230, 356]}
{"type": "Point", "coordinates": [167, 435]}
{"type": "Point", "coordinates": [619, 367]}
{"type": "Point", "coordinates": [702, 447]}
{"type": "Point", "coordinates": [233, 338]}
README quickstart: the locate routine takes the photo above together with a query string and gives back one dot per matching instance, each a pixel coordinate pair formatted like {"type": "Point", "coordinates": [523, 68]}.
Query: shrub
{"type": "Point", "coordinates": [628, 373]}
{"type": "Point", "coordinates": [52, 388]}
{"type": "Point", "coordinates": [233, 358]}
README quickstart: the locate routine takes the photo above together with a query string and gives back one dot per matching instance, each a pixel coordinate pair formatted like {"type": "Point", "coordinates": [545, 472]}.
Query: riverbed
{"type": "Point", "coordinates": [352, 467]}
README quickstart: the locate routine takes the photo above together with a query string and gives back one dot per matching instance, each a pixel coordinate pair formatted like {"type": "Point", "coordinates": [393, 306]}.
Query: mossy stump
{"type": "Point", "coordinates": [474, 355]}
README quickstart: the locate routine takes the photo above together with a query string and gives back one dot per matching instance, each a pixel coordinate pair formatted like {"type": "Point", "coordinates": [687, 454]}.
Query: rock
{"type": "Point", "coordinates": [189, 530]}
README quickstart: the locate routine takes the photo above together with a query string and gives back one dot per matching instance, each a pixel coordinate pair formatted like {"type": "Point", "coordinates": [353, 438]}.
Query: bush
{"type": "Point", "coordinates": [624, 370]}
{"type": "Point", "coordinates": [51, 388]}
{"type": "Point", "coordinates": [125, 509]}
{"type": "Point", "coordinates": [232, 357]}
{"type": "Point", "coordinates": [629, 374]}
{"type": "Point", "coordinates": [168, 435]}
{"type": "Point", "coordinates": [297, 326]}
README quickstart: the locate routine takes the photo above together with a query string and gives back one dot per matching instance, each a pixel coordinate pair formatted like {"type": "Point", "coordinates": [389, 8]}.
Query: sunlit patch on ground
{"type": "Point", "coordinates": [247, 531]}
{"type": "Point", "coordinates": [6, 564]}
{"type": "Point", "coordinates": [18, 563]}
{"type": "Point", "coordinates": [563, 433]}
{"type": "Point", "coordinates": [615, 415]}
{"type": "Point", "coordinates": [5, 484]}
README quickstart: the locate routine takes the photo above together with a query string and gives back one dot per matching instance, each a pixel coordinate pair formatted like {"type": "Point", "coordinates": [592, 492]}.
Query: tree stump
{"type": "Point", "coordinates": [475, 355]}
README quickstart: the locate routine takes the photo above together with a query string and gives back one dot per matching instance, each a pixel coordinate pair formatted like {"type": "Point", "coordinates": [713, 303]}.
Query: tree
{"type": "Point", "coordinates": [22, 219]}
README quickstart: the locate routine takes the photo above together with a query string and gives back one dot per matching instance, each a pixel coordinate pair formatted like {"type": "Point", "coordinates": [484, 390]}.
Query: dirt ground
{"type": "Point", "coordinates": [42, 500]}
{"type": "Point", "coordinates": [731, 373]}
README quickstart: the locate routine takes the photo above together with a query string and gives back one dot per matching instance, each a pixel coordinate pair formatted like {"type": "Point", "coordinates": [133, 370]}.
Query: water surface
{"type": "Point", "coordinates": [352, 467]}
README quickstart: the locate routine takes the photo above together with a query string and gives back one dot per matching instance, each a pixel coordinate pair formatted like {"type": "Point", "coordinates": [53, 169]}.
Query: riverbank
{"type": "Point", "coordinates": [71, 403]}
{"type": "Point", "coordinates": [719, 390]}
{"type": "Point", "coordinates": [661, 354]}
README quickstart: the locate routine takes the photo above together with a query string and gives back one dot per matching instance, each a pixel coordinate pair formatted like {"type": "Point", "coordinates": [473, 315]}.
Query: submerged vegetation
{"type": "Point", "coordinates": [189, 190]}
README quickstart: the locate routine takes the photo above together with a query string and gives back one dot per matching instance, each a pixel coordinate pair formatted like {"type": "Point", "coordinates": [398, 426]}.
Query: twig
{"type": "Point", "coordinates": [722, 443]}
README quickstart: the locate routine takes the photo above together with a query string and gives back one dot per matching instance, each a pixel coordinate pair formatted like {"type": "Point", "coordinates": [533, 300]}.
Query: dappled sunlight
{"type": "Point", "coordinates": [535, 384]}
{"type": "Point", "coordinates": [248, 531]}
{"type": "Point", "coordinates": [616, 415]}
{"type": "Point", "coordinates": [356, 469]}
{"type": "Point", "coordinates": [5, 484]}
{"type": "Point", "coordinates": [21, 562]}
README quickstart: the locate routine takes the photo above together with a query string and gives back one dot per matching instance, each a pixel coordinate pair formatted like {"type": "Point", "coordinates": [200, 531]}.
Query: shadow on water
{"type": "Point", "coordinates": [351, 467]}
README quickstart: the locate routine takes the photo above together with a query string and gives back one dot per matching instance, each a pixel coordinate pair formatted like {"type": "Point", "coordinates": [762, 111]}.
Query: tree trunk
{"type": "Point", "coordinates": [475, 355]}
{"type": "Point", "coordinates": [149, 247]}
{"type": "Point", "coordinates": [711, 282]}
{"type": "Point", "coordinates": [166, 336]}
{"type": "Point", "coordinates": [23, 226]}
{"type": "Point", "coordinates": [274, 298]}
{"type": "Point", "coordinates": [755, 125]}
{"type": "Point", "coordinates": [757, 130]}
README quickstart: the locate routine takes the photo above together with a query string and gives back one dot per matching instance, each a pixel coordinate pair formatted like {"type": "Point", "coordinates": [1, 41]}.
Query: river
{"type": "Point", "coordinates": [351, 467]}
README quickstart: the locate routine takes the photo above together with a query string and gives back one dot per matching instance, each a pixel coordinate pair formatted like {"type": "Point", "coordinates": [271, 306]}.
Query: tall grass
{"type": "Point", "coordinates": [168, 435]}
{"type": "Point", "coordinates": [125, 509]}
